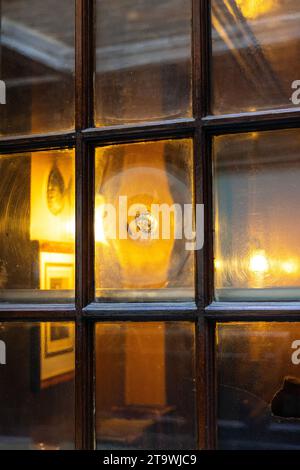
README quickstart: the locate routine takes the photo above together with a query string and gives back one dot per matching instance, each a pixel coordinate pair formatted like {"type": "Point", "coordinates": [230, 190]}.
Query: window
{"type": "Point", "coordinates": [142, 344]}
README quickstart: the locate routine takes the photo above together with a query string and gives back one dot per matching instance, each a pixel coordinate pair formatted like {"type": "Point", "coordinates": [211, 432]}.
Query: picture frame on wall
{"type": "Point", "coordinates": [57, 353]}
{"type": "Point", "coordinates": [53, 348]}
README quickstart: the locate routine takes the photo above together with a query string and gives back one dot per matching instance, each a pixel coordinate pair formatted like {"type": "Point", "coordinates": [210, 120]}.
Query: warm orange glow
{"type": "Point", "coordinates": [52, 218]}
{"type": "Point", "coordinates": [100, 236]}
{"type": "Point", "coordinates": [57, 271]}
{"type": "Point", "coordinates": [218, 264]}
{"type": "Point", "coordinates": [152, 389]}
{"type": "Point", "coordinates": [137, 181]}
{"type": "Point", "coordinates": [46, 225]}
{"type": "Point", "coordinates": [143, 197]}
{"type": "Point", "coordinates": [261, 269]}
{"type": "Point", "coordinates": [251, 9]}
{"type": "Point", "coordinates": [259, 262]}
{"type": "Point", "coordinates": [144, 181]}
{"type": "Point", "coordinates": [290, 266]}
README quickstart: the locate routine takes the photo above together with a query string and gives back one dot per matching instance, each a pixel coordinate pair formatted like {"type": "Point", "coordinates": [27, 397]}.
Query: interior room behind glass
{"type": "Point", "coordinates": [37, 227]}
{"type": "Point", "coordinates": [145, 385]}
{"type": "Point", "coordinates": [37, 62]}
{"type": "Point", "coordinates": [255, 49]}
{"type": "Point", "coordinates": [143, 60]}
{"type": "Point", "coordinates": [257, 228]}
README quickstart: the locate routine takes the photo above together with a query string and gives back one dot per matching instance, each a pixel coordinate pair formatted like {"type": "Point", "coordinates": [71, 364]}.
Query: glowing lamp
{"type": "Point", "coordinates": [134, 184]}
{"type": "Point", "coordinates": [259, 262]}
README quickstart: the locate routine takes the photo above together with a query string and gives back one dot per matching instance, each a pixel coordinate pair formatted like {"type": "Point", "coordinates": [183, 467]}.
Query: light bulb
{"type": "Point", "coordinates": [259, 263]}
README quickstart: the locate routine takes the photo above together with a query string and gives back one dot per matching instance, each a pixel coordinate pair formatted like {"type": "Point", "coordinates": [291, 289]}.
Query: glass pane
{"type": "Point", "coordinates": [37, 225]}
{"type": "Point", "coordinates": [145, 386]}
{"type": "Point", "coordinates": [255, 47]}
{"type": "Point", "coordinates": [37, 386]}
{"type": "Point", "coordinates": [143, 60]}
{"type": "Point", "coordinates": [258, 386]}
{"type": "Point", "coordinates": [37, 65]}
{"type": "Point", "coordinates": [257, 216]}
{"type": "Point", "coordinates": [142, 191]}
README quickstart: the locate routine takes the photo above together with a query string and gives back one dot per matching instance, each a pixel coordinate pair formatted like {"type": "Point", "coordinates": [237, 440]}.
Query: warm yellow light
{"type": "Point", "coordinates": [145, 182]}
{"type": "Point", "coordinates": [251, 9]}
{"type": "Point", "coordinates": [290, 267]}
{"type": "Point", "coordinates": [259, 263]}
{"type": "Point", "coordinates": [218, 264]}
{"type": "Point", "coordinates": [57, 270]}
{"type": "Point", "coordinates": [70, 228]}
{"type": "Point", "coordinates": [99, 221]}
{"type": "Point", "coordinates": [52, 214]}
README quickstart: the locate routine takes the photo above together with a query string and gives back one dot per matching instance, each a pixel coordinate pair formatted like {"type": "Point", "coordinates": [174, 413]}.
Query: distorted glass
{"type": "Point", "coordinates": [257, 216]}
{"type": "Point", "coordinates": [143, 60]}
{"type": "Point", "coordinates": [255, 48]}
{"type": "Point", "coordinates": [143, 194]}
{"type": "Point", "coordinates": [37, 65]}
{"type": "Point", "coordinates": [37, 225]}
{"type": "Point", "coordinates": [37, 362]}
{"type": "Point", "coordinates": [145, 386]}
{"type": "Point", "coordinates": [258, 370]}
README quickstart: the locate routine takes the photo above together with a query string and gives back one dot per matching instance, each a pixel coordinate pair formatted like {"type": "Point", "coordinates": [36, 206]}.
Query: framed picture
{"type": "Point", "coordinates": [57, 353]}
{"type": "Point", "coordinates": [56, 271]}
{"type": "Point", "coordinates": [53, 344]}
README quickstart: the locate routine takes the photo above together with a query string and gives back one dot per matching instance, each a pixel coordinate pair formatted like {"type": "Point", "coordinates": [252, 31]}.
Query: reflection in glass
{"type": "Point", "coordinates": [143, 60]}
{"type": "Point", "coordinates": [258, 367]}
{"type": "Point", "coordinates": [255, 46]}
{"type": "Point", "coordinates": [145, 386]}
{"type": "Point", "coordinates": [37, 224]}
{"type": "Point", "coordinates": [37, 386]}
{"type": "Point", "coordinates": [37, 65]}
{"type": "Point", "coordinates": [137, 253]}
{"type": "Point", "coordinates": [257, 217]}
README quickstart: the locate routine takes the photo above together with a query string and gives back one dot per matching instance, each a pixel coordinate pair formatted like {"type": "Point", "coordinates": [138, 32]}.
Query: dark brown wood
{"type": "Point", "coordinates": [208, 251]}
{"type": "Point", "coordinates": [199, 196]}
{"type": "Point", "coordinates": [201, 382]}
{"type": "Point", "coordinates": [84, 380]}
{"type": "Point", "coordinates": [84, 225]}
{"type": "Point", "coordinates": [37, 142]}
{"type": "Point", "coordinates": [205, 313]}
{"type": "Point", "coordinates": [206, 384]}
{"type": "Point", "coordinates": [84, 239]}
{"type": "Point", "coordinates": [141, 131]}
{"type": "Point", "coordinates": [204, 51]}
{"type": "Point", "coordinates": [197, 56]}
{"type": "Point", "coordinates": [84, 64]}
{"type": "Point", "coordinates": [211, 385]}
{"type": "Point", "coordinates": [204, 258]}
{"type": "Point", "coordinates": [256, 121]}
{"type": "Point", "coordinates": [41, 313]}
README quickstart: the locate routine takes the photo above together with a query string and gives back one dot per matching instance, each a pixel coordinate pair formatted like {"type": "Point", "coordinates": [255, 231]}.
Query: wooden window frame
{"type": "Point", "coordinates": [204, 312]}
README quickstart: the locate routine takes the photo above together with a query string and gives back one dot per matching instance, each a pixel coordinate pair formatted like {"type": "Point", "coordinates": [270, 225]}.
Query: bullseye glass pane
{"type": "Point", "coordinates": [143, 213]}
